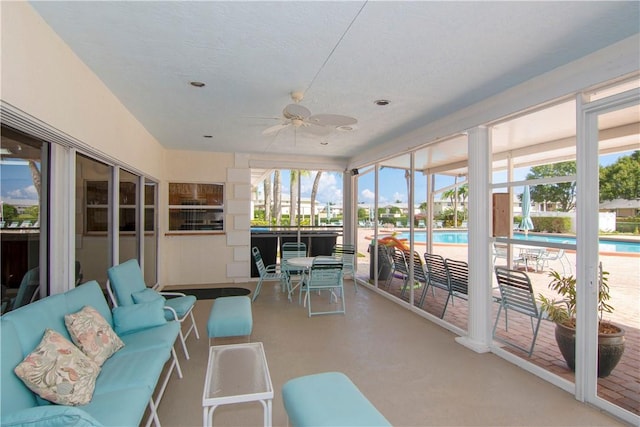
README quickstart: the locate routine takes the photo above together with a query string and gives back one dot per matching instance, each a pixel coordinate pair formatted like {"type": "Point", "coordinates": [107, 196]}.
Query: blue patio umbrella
{"type": "Point", "coordinates": [526, 223]}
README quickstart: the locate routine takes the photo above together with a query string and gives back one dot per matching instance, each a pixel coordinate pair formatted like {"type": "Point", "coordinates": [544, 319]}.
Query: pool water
{"type": "Point", "coordinates": [461, 237]}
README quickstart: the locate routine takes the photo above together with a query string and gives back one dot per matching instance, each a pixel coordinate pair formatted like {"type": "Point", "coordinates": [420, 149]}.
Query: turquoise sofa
{"type": "Point", "coordinates": [127, 380]}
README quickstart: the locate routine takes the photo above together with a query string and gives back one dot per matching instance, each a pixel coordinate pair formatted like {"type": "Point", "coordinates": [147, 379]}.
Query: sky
{"type": "Point", "coordinates": [16, 184]}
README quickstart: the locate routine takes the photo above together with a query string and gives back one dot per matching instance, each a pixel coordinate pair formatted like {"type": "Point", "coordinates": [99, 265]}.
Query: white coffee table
{"type": "Point", "coordinates": [237, 373]}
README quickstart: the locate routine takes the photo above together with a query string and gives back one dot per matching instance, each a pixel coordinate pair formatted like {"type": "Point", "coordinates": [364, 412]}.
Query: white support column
{"type": "Point", "coordinates": [348, 203]}
{"type": "Point", "coordinates": [479, 321]}
{"type": "Point", "coordinates": [62, 233]}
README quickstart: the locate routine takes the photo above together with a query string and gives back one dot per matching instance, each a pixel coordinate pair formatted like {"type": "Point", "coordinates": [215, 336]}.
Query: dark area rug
{"type": "Point", "coordinates": [213, 293]}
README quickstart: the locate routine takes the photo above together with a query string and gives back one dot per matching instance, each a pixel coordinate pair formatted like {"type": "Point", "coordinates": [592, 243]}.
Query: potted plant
{"type": "Point", "coordinates": [563, 313]}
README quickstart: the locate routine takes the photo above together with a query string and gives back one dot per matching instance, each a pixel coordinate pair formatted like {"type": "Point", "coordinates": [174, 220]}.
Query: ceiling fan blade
{"type": "Point", "coordinates": [274, 129]}
{"type": "Point", "coordinates": [316, 130]}
{"type": "Point", "coordinates": [334, 120]}
{"type": "Point", "coordinates": [296, 111]}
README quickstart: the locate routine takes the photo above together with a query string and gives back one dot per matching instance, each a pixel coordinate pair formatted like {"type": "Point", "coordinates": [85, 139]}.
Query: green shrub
{"type": "Point", "coordinates": [551, 224]}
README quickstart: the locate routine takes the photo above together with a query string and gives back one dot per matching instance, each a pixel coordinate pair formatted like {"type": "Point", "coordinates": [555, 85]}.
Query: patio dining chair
{"type": "Point", "coordinates": [516, 293]}
{"type": "Point", "coordinates": [347, 253]}
{"type": "Point", "coordinates": [399, 266]}
{"type": "Point", "coordinates": [292, 250]}
{"type": "Point", "coordinates": [438, 276]}
{"type": "Point", "coordinates": [553, 254]}
{"type": "Point", "coordinates": [126, 278]}
{"type": "Point", "coordinates": [270, 273]}
{"type": "Point", "coordinates": [458, 278]}
{"type": "Point", "coordinates": [326, 273]}
{"type": "Point", "coordinates": [419, 273]}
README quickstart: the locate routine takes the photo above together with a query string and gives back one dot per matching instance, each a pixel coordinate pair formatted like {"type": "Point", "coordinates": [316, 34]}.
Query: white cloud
{"type": "Point", "coordinates": [399, 196]}
{"type": "Point", "coordinates": [368, 195]}
{"type": "Point", "coordinates": [29, 192]}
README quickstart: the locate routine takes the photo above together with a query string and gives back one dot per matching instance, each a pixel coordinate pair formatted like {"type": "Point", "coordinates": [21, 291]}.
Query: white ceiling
{"type": "Point", "coordinates": [429, 59]}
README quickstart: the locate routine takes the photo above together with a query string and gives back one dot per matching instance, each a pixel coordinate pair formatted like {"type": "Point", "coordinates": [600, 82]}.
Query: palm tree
{"type": "Point", "coordinates": [295, 175]}
{"type": "Point", "coordinates": [314, 193]}
{"type": "Point", "coordinates": [293, 197]}
{"type": "Point", "coordinates": [277, 197]}
{"type": "Point", "coordinates": [267, 199]}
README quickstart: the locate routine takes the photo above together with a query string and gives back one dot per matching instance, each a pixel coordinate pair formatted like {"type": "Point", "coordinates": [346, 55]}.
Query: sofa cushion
{"type": "Point", "coordinates": [146, 295]}
{"type": "Point", "coordinates": [49, 416]}
{"type": "Point", "coordinates": [121, 407]}
{"type": "Point", "coordinates": [15, 395]}
{"type": "Point", "coordinates": [129, 318]}
{"type": "Point", "coordinates": [159, 338]}
{"type": "Point", "coordinates": [89, 293]}
{"type": "Point", "coordinates": [125, 279]}
{"type": "Point", "coordinates": [140, 369]}
{"type": "Point", "coordinates": [58, 371]}
{"type": "Point", "coordinates": [92, 334]}
{"type": "Point", "coordinates": [181, 305]}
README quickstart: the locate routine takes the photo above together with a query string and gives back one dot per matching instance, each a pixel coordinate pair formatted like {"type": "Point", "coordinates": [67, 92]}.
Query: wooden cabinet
{"type": "Point", "coordinates": [501, 215]}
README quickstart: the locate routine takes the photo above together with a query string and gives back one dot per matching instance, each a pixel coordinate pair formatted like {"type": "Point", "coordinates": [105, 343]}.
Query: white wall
{"type": "Point", "coordinates": [44, 82]}
{"type": "Point", "coordinates": [44, 78]}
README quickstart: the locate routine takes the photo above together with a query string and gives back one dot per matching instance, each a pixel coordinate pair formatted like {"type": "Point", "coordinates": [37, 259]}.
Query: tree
{"type": "Point", "coordinates": [562, 193]}
{"type": "Point", "coordinates": [267, 199]}
{"type": "Point", "coordinates": [621, 180]}
{"type": "Point", "coordinates": [294, 195]}
{"type": "Point", "coordinates": [9, 212]}
{"type": "Point", "coordinates": [314, 193]}
{"type": "Point", "coordinates": [277, 197]}
{"type": "Point", "coordinates": [363, 214]}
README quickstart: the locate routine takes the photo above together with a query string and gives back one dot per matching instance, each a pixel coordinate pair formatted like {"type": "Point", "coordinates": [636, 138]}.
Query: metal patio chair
{"type": "Point", "coordinates": [419, 273]}
{"type": "Point", "coordinates": [270, 273]}
{"type": "Point", "coordinates": [516, 293]}
{"type": "Point", "coordinates": [326, 273]}
{"type": "Point", "coordinates": [399, 266]}
{"type": "Point", "coordinates": [347, 253]}
{"type": "Point", "coordinates": [126, 278]}
{"type": "Point", "coordinates": [438, 276]}
{"type": "Point", "coordinates": [458, 278]}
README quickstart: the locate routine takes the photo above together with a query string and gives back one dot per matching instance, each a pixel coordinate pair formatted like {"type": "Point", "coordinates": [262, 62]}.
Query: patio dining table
{"type": "Point", "coordinates": [529, 254]}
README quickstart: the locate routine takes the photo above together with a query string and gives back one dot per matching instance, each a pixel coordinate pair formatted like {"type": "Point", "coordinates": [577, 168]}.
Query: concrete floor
{"type": "Point", "coordinates": [411, 369]}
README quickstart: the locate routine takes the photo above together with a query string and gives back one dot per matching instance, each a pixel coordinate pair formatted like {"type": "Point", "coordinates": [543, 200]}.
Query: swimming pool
{"type": "Point", "coordinates": [461, 237]}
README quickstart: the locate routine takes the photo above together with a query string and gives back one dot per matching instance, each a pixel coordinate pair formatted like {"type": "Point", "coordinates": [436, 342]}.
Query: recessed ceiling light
{"type": "Point", "coordinates": [207, 136]}
{"type": "Point", "coordinates": [324, 143]}
{"type": "Point", "coordinates": [345, 128]}
{"type": "Point", "coordinates": [196, 84]}
{"type": "Point", "coordinates": [382, 102]}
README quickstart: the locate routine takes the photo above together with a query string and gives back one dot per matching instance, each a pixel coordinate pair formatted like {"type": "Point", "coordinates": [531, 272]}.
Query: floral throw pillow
{"type": "Point", "coordinates": [92, 334]}
{"type": "Point", "coordinates": [57, 371]}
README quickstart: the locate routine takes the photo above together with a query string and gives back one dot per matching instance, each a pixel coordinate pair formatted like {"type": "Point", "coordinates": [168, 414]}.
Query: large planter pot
{"type": "Point", "coordinates": [610, 348]}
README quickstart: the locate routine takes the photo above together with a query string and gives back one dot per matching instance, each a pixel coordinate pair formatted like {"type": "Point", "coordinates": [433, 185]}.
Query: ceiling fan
{"type": "Point", "coordinates": [298, 117]}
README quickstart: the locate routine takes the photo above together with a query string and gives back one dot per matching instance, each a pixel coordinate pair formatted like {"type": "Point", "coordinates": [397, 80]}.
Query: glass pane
{"type": "Point", "coordinates": [150, 233]}
{"type": "Point", "coordinates": [20, 218]}
{"type": "Point", "coordinates": [619, 222]}
{"type": "Point", "coordinates": [392, 217]}
{"type": "Point", "coordinates": [128, 239]}
{"type": "Point", "coordinates": [538, 147]}
{"type": "Point", "coordinates": [92, 220]}
{"type": "Point", "coordinates": [196, 207]}
{"type": "Point", "coordinates": [365, 228]}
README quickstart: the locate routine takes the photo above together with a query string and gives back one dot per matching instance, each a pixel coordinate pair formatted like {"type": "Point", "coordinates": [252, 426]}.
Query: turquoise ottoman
{"type": "Point", "coordinates": [230, 317]}
{"type": "Point", "coordinates": [328, 399]}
